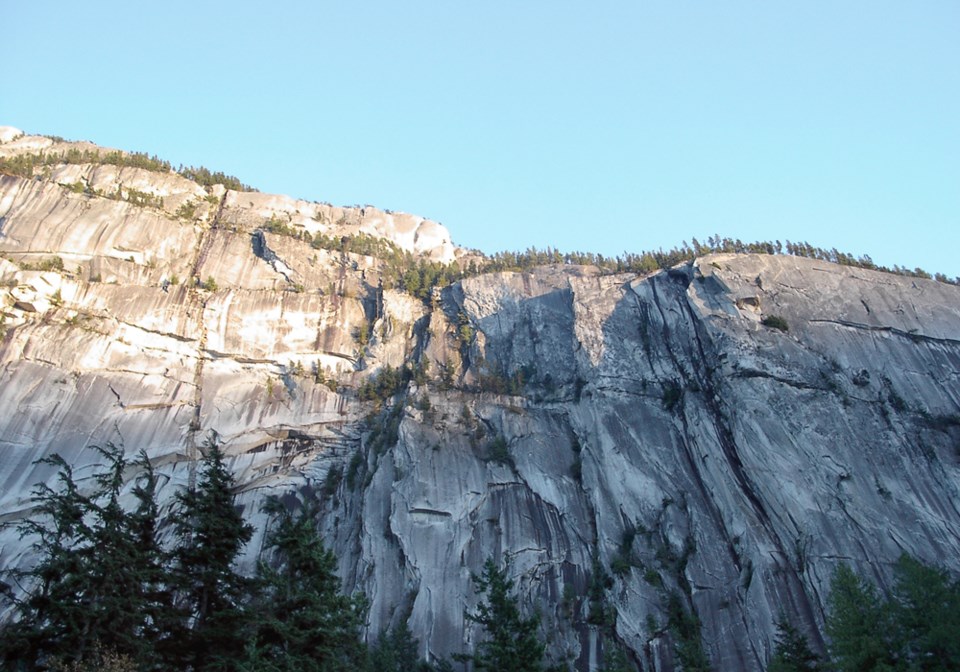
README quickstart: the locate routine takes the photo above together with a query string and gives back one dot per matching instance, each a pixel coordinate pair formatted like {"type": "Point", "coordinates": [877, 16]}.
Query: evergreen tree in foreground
{"type": "Point", "coordinates": [396, 651]}
{"type": "Point", "coordinates": [925, 606]}
{"type": "Point", "coordinates": [916, 629]}
{"type": "Point", "coordinates": [512, 644]}
{"type": "Point", "coordinates": [211, 594]}
{"type": "Point", "coordinates": [96, 589]}
{"type": "Point", "coordinates": [858, 625]}
{"type": "Point", "coordinates": [304, 622]}
{"type": "Point", "coordinates": [792, 653]}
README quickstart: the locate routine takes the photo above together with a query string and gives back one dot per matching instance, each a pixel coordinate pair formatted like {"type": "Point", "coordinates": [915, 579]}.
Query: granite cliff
{"type": "Point", "coordinates": [718, 435]}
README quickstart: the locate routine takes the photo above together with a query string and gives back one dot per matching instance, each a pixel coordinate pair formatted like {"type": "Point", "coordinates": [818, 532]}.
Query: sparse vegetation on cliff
{"type": "Point", "coordinates": [26, 165]}
{"type": "Point", "coordinates": [775, 322]}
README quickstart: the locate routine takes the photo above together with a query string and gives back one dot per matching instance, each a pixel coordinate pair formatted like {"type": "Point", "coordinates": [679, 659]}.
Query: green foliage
{"type": "Point", "coordinates": [649, 261]}
{"type": "Point", "coordinates": [498, 451]}
{"type": "Point", "coordinates": [423, 404]}
{"type": "Point", "coordinates": [858, 624]}
{"type": "Point", "coordinates": [98, 584]}
{"type": "Point", "coordinates": [465, 331]}
{"type": "Point", "coordinates": [615, 658]}
{"type": "Point", "coordinates": [331, 481]}
{"type": "Point", "coordinates": [143, 199]}
{"type": "Point", "coordinates": [48, 264]}
{"type": "Point", "coordinates": [21, 165]}
{"type": "Point", "coordinates": [388, 382]}
{"type": "Point", "coordinates": [98, 660]}
{"type": "Point", "coordinates": [419, 276]}
{"type": "Point", "coordinates": [209, 589]}
{"type": "Point", "coordinates": [210, 284]}
{"type": "Point", "coordinates": [672, 394]}
{"type": "Point", "coordinates": [624, 559]}
{"type": "Point", "coordinates": [188, 210]}
{"type": "Point", "coordinates": [362, 334]}
{"type": "Point", "coordinates": [278, 226]}
{"type": "Point", "coordinates": [916, 628]}
{"type": "Point", "coordinates": [303, 621]}
{"type": "Point", "coordinates": [419, 372]}
{"type": "Point", "coordinates": [600, 582]}
{"type": "Point", "coordinates": [925, 606]}
{"type": "Point", "coordinates": [385, 428]}
{"type": "Point", "coordinates": [775, 322]}
{"type": "Point", "coordinates": [653, 577]}
{"type": "Point", "coordinates": [25, 165]}
{"type": "Point", "coordinates": [512, 644]}
{"type": "Point", "coordinates": [399, 268]}
{"type": "Point", "coordinates": [791, 651]}
{"type": "Point", "coordinates": [105, 595]}
{"type": "Point", "coordinates": [685, 627]}
{"type": "Point", "coordinates": [320, 378]}
{"type": "Point", "coordinates": [396, 651]}
{"type": "Point", "coordinates": [357, 463]}
{"type": "Point", "coordinates": [206, 178]}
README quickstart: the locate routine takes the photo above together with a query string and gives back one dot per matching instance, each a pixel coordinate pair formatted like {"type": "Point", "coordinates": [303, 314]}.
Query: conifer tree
{"type": "Point", "coordinates": [304, 620]}
{"type": "Point", "coordinates": [926, 608]}
{"type": "Point", "coordinates": [210, 592]}
{"type": "Point", "coordinates": [120, 564]}
{"type": "Point", "coordinates": [858, 625]}
{"type": "Point", "coordinates": [159, 617]}
{"type": "Point", "coordinates": [512, 644]}
{"type": "Point", "coordinates": [396, 651]}
{"type": "Point", "coordinates": [51, 604]}
{"type": "Point", "coordinates": [792, 653]}
{"type": "Point", "coordinates": [92, 591]}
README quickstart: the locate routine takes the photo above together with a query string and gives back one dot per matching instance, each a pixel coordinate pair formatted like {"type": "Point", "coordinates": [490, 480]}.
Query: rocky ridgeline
{"type": "Point", "coordinates": [712, 439]}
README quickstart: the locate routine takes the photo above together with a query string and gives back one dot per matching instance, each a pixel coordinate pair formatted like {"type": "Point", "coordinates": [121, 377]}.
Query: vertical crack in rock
{"type": "Point", "coordinates": [725, 438]}
{"type": "Point", "coordinates": [745, 483]}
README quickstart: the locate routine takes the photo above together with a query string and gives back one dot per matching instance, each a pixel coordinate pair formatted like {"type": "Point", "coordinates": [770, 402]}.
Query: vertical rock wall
{"type": "Point", "coordinates": [711, 440]}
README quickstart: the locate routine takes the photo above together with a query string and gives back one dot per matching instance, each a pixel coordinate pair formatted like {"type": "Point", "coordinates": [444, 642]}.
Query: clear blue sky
{"type": "Point", "coordinates": [605, 126]}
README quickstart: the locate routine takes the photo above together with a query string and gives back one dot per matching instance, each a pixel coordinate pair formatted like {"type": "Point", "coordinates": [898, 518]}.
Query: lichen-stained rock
{"type": "Point", "coordinates": [715, 437]}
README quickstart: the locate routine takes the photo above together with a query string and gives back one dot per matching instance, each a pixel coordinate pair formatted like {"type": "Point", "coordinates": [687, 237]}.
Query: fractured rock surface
{"type": "Point", "coordinates": [659, 424]}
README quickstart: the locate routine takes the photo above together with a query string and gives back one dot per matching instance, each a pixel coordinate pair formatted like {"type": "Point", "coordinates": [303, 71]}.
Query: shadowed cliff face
{"type": "Point", "coordinates": [653, 424]}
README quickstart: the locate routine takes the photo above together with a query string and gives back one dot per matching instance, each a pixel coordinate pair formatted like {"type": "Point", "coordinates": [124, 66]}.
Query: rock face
{"type": "Point", "coordinates": [717, 436]}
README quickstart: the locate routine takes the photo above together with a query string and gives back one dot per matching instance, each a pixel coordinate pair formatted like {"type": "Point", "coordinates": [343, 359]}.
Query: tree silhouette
{"type": "Point", "coordinates": [512, 644]}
